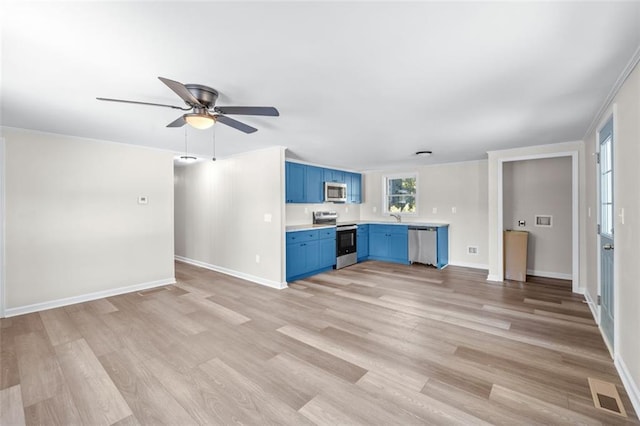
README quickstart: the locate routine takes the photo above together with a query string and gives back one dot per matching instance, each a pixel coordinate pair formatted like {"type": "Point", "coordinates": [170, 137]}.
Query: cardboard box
{"type": "Point", "coordinates": [515, 255]}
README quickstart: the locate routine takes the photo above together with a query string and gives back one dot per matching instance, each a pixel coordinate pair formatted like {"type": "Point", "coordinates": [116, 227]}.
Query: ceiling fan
{"type": "Point", "coordinates": [201, 101]}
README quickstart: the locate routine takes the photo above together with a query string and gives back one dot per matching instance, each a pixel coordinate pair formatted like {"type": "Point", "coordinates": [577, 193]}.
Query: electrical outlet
{"type": "Point", "coordinates": [454, 210]}
{"type": "Point", "coordinates": [267, 217]}
{"type": "Point", "coordinates": [375, 209]}
{"type": "Point", "coordinates": [346, 209]}
{"type": "Point", "coordinates": [434, 210]}
{"type": "Point", "coordinates": [257, 258]}
{"type": "Point", "coordinates": [143, 199]}
{"type": "Point", "coordinates": [472, 250]}
{"type": "Point", "coordinates": [306, 210]}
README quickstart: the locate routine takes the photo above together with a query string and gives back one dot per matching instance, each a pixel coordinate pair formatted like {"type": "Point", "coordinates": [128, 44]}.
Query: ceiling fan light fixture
{"type": "Point", "coordinates": [424, 153]}
{"type": "Point", "coordinates": [200, 121]}
{"type": "Point", "coordinates": [188, 158]}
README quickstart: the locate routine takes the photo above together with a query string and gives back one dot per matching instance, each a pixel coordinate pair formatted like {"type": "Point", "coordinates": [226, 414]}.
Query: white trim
{"type": "Point", "coordinates": [494, 278]}
{"type": "Point", "coordinates": [483, 266]}
{"type": "Point", "coordinates": [593, 307]}
{"type": "Point", "coordinates": [237, 274]}
{"type": "Point", "coordinates": [632, 388]}
{"type": "Point", "coordinates": [547, 274]}
{"type": "Point", "coordinates": [3, 175]}
{"type": "Point", "coordinates": [575, 214]}
{"type": "Point", "coordinates": [385, 197]}
{"type": "Point", "coordinates": [626, 72]}
{"type": "Point", "coordinates": [36, 307]}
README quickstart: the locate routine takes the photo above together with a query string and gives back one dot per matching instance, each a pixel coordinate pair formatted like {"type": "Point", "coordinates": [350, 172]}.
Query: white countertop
{"type": "Point", "coordinates": [306, 227]}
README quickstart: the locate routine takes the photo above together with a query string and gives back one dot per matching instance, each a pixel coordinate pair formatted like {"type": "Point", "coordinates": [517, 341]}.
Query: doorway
{"type": "Point", "coordinates": [575, 233]}
{"type": "Point", "coordinates": [606, 231]}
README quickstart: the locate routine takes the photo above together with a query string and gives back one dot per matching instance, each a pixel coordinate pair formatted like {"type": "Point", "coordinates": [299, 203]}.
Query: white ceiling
{"type": "Point", "coordinates": [359, 85]}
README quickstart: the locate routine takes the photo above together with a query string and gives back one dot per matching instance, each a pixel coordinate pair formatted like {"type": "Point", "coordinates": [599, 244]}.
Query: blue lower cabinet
{"type": "Point", "coordinates": [362, 242]}
{"type": "Point", "coordinates": [389, 243]}
{"type": "Point", "coordinates": [310, 252]}
{"type": "Point", "coordinates": [442, 246]}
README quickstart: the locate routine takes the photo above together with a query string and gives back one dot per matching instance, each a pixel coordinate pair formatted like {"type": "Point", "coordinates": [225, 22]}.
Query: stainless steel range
{"type": "Point", "coordinates": [346, 250]}
{"type": "Point", "coordinates": [346, 245]}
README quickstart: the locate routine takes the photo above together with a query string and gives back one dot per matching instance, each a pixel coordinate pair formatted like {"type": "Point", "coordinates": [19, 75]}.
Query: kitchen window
{"type": "Point", "coordinates": [400, 194]}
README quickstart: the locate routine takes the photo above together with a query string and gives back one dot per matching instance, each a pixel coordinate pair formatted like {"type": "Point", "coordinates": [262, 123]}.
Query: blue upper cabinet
{"type": "Point", "coordinates": [295, 182]}
{"type": "Point", "coordinates": [305, 184]}
{"type": "Point", "coordinates": [331, 175]}
{"type": "Point", "coordinates": [314, 185]}
{"type": "Point", "coordinates": [354, 187]}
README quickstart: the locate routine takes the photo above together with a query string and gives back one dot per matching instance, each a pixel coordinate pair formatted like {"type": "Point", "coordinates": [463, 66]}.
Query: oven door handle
{"type": "Point", "coordinates": [346, 228]}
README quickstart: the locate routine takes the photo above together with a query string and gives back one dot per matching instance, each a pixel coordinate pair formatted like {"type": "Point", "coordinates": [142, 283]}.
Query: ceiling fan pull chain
{"type": "Point", "coordinates": [213, 132]}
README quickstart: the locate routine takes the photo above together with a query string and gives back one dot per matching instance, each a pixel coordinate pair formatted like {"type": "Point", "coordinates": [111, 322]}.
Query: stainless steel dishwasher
{"type": "Point", "coordinates": [422, 245]}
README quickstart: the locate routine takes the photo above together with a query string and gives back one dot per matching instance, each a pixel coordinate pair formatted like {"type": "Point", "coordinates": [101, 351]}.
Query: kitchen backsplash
{"type": "Point", "coordinates": [301, 214]}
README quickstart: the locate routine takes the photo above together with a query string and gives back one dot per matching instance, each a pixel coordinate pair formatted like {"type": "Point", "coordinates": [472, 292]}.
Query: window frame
{"type": "Point", "coordinates": [385, 195]}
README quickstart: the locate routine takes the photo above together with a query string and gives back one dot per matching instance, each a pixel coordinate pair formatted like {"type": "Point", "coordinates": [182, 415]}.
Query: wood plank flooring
{"type": "Point", "coordinates": [371, 344]}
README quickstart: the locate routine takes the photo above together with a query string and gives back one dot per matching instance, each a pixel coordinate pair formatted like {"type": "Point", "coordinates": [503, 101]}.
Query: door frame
{"type": "Point", "coordinates": [3, 175]}
{"type": "Point", "coordinates": [575, 214]}
{"type": "Point", "coordinates": [616, 300]}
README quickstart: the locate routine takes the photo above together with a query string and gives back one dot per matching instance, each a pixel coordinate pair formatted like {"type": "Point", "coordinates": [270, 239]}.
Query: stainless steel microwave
{"type": "Point", "coordinates": [335, 192]}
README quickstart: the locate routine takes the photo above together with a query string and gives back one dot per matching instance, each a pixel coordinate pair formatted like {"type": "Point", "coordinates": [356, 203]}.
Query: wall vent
{"type": "Point", "coordinates": [472, 249]}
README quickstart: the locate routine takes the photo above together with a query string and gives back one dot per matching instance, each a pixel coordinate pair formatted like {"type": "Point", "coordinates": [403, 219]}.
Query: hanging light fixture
{"type": "Point", "coordinates": [186, 157]}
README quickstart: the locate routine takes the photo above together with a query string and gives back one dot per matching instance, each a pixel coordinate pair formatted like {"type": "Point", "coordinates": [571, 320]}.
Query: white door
{"type": "Point", "coordinates": [605, 177]}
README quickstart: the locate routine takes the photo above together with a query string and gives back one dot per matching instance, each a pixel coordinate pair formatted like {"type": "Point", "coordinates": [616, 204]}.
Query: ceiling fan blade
{"type": "Point", "coordinates": [235, 124]}
{"type": "Point", "coordinates": [181, 91]}
{"type": "Point", "coordinates": [142, 103]}
{"type": "Point", "coordinates": [178, 122]}
{"type": "Point", "coordinates": [248, 110]}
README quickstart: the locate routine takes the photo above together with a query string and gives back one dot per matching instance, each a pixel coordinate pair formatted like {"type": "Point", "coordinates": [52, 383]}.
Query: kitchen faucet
{"type": "Point", "coordinates": [397, 216]}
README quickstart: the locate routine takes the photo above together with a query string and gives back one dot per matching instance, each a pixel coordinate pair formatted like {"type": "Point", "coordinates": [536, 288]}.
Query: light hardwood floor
{"type": "Point", "coordinates": [371, 344]}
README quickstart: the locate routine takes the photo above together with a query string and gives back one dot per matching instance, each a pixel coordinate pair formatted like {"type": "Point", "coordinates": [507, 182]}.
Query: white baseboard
{"type": "Point", "coordinates": [237, 274]}
{"type": "Point", "coordinates": [470, 265]}
{"type": "Point", "coordinates": [546, 274]}
{"type": "Point", "coordinates": [43, 306]}
{"type": "Point", "coordinates": [494, 278]}
{"type": "Point", "coordinates": [632, 388]}
{"type": "Point", "coordinates": [592, 306]}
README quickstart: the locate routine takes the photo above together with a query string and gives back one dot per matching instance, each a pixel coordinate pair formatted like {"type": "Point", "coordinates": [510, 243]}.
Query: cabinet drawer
{"type": "Point", "coordinates": [327, 233]}
{"type": "Point", "coordinates": [301, 236]}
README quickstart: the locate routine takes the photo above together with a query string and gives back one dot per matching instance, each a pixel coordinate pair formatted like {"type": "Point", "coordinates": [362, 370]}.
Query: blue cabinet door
{"type": "Point", "coordinates": [296, 259]}
{"type": "Point", "coordinates": [354, 182]}
{"type": "Point", "coordinates": [378, 244]}
{"type": "Point", "coordinates": [327, 252]}
{"type": "Point", "coordinates": [312, 255]}
{"type": "Point", "coordinates": [332, 175]}
{"type": "Point", "coordinates": [314, 184]}
{"type": "Point", "coordinates": [399, 247]}
{"type": "Point", "coordinates": [442, 245]}
{"type": "Point", "coordinates": [295, 182]}
{"type": "Point", "coordinates": [363, 245]}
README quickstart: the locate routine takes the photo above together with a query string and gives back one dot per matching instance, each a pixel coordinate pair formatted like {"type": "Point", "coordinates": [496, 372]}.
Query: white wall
{"type": "Point", "coordinates": [626, 112]}
{"type": "Point", "coordinates": [443, 186]}
{"type": "Point", "coordinates": [220, 210]}
{"type": "Point", "coordinates": [541, 186]}
{"type": "Point", "coordinates": [301, 214]}
{"type": "Point", "coordinates": [74, 228]}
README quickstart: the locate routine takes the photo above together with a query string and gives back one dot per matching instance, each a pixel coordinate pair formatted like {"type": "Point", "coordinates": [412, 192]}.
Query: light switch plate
{"type": "Point", "coordinates": [143, 199]}
{"type": "Point", "coordinates": [267, 217]}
